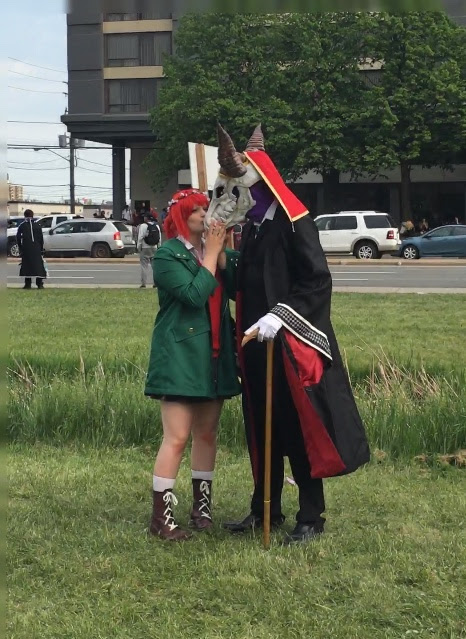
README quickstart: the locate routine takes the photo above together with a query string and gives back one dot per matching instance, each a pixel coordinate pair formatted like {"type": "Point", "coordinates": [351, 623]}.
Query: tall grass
{"type": "Point", "coordinates": [78, 375]}
{"type": "Point", "coordinates": [406, 412]}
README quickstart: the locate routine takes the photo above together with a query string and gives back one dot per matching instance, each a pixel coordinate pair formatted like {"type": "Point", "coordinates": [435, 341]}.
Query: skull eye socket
{"type": "Point", "coordinates": [219, 191]}
{"type": "Point", "coordinates": [235, 192]}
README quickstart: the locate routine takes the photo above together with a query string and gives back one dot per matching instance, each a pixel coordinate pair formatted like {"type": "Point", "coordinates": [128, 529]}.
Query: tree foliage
{"type": "Point", "coordinates": [300, 75]}
{"type": "Point", "coordinates": [423, 88]}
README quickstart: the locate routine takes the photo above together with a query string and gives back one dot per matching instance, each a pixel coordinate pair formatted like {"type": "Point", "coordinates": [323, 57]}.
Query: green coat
{"type": "Point", "coordinates": [181, 360]}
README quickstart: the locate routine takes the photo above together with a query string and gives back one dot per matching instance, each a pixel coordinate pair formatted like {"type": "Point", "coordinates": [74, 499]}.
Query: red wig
{"type": "Point", "coordinates": [181, 207]}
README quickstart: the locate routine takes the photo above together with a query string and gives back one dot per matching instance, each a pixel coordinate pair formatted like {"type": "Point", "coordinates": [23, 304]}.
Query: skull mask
{"type": "Point", "coordinates": [232, 198]}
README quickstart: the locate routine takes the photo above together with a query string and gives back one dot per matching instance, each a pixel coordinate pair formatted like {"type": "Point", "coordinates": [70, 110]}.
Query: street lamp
{"type": "Point", "coordinates": [71, 162]}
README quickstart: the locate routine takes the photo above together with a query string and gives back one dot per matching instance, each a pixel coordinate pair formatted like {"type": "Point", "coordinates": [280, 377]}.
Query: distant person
{"type": "Point", "coordinates": [148, 241]}
{"type": "Point", "coordinates": [163, 215]}
{"type": "Point", "coordinates": [126, 214]}
{"type": "Point", "coordinates": [143, 210]}
{"type": "Point", "coordinates": [407, 229]}
{"type": "Point", "coordinates": [423, 226]}
{"type": "Point", "coordinates": [31, 247]}
{"type": "Point", "coordinates": [456, 220]}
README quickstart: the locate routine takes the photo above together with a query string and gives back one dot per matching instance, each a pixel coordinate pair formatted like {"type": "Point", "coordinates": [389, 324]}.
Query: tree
{"type": "Point", "coordinates": [423, 87]}
{"type": "Point", "coordinates": [298, 74]}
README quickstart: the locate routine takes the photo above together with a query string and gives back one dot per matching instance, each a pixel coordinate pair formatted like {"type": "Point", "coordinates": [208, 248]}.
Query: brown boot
{"type": "Point", "coordinates": [201, 515]}
{"type": "Point", "coordinates": [163, 523]}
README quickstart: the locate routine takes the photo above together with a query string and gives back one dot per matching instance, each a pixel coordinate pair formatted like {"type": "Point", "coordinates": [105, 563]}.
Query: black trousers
{"type": "Point", "coordinates": [287, 438]}
{"type": "Point", "coordinates": [28, 282]}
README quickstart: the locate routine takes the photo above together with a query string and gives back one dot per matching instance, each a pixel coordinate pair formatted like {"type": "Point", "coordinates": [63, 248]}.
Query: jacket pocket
{"type": "Point", "coordinates": [181, 333]}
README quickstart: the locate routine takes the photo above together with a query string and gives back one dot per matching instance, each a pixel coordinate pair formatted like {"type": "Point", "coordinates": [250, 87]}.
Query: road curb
{"type": "Point", "coordinates": [336, 289]}
{"type": "Point", "coordinates": [331, 262]}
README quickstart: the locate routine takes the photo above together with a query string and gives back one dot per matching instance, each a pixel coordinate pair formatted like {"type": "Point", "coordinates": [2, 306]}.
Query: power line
{"type": "Point", "coordinates": [37, 77]}
{"type": "Point", "coordinates": [81, 168]}
{"type": "Point", "coordinates": [36, 65]}
{"type": "Point", "coordinates": [31, 147]}
{"type": "Point", "coordinates": [78, 168]}
{"type": "Point", "coordinates": [32, 163]}
{"type": "Point", "coordinates": [33, 122]}
{"type": "Point", "coordinates": [54, 186]}
{"type": "Point", "coordinates": [84, 168]}
{"type": "Point", "coordinates": [109, 166]}
{"type": "Point", "coordinates": [53, 168]}
{"type": "Point", "coordinates": [36, 91]}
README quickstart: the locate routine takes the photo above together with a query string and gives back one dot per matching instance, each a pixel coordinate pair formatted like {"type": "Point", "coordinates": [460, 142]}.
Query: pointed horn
{"type": "Point", "coordinates": [231, 162]}
{"type": "Point", "coordinates": [256, 141]}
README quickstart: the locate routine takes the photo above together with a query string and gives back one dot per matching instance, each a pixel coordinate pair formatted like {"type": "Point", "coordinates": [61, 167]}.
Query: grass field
{"type": "Point", "coordinates": [391, 564]}
{"type": "Point", "coordinates": [78, 363]}
{"type": "Point", "coordinates": [54, 329]}
{"type": "Point", "coordinates": [82, 441]}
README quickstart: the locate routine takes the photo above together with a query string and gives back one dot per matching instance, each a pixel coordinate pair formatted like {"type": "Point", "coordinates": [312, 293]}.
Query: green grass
{"type": "Point", "coordinates": [78, 362]}
{"type": "Point", "coordinates": [391, 564]}
{"type": "Point", "coordinates": [56, 330]}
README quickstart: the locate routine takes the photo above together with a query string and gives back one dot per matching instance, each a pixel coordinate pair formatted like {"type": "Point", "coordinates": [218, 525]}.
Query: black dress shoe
{"type": "Point", "coordinates": [251, 522]}
{"type": "Point", "coordinates": [303, 533]}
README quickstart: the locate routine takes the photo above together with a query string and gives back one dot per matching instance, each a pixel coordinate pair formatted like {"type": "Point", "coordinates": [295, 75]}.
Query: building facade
{"type": "Point", "coordinates": [115, 67]}
{"type": "Point", "coordinates": [15, 192]}
{"type": "Point", "coordinates": [115, 70]}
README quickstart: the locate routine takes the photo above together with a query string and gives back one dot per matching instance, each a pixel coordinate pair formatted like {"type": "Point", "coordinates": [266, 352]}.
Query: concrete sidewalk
{"type": "Point", "coordinates": [332, 261]}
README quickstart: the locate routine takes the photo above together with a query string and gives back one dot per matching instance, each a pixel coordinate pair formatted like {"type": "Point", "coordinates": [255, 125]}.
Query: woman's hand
{"type": "Point", "coordinates": [214, 246]}
{"type": "Point", "coordinates": [215, 239]}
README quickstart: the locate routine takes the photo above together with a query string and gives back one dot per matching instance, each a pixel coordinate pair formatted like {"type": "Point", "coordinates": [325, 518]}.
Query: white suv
{"type": "Point", "coordinates": [365, 234]}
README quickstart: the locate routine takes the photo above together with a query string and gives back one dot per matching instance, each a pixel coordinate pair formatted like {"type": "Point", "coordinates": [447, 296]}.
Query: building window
{"type": "Point", "coordinates": [160, 10]}
{"type": "Point", "coordinates": [130, 96]}
{"type": "Point", "coordinates": [137, 49]}
{"type": "Point", "coordinates": [119, 17]}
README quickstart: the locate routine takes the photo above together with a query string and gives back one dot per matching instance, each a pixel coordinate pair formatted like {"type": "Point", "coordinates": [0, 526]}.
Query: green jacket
{"type": "Point", "coordinates": [181, 360]}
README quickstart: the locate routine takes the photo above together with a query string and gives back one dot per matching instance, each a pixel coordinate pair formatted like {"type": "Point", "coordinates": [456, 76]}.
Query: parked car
{"type": "Point", "coordinates": [49, 222]}
{"type": "Point", "coordinates": [365, 234]}
{"type": "Point", "coordinates": [12, 228]}
{"type": "Point", "coordinates": [445, 241]}
{"type": "Point", "coordinates": [97, 238]}
{"type": "Point", "coordinates": [46, 223]}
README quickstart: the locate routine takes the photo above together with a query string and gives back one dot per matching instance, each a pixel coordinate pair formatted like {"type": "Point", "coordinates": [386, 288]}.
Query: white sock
{"type": "Point", "coordinates": [205, 475]}
{"type": "Point", "coordinates": [160, 484]}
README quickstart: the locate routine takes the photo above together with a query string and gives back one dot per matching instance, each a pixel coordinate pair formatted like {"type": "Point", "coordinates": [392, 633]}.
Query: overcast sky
{"type": "Point", "coordinates": [36, 35]}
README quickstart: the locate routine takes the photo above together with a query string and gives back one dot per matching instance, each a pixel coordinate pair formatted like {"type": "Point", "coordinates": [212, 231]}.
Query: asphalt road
{"type": "Point", "coordinates": [367, 277]}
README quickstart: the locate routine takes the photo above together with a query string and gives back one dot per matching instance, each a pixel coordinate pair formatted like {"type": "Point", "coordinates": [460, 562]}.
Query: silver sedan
{"type": "Point", "coordinates": [97, 238]}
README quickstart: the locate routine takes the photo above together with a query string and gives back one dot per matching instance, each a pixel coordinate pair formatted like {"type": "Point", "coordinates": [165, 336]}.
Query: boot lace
{"type": "Point", "coordinates": [204, 502]}
{"type": "Point", "coordinates": [169, 499]}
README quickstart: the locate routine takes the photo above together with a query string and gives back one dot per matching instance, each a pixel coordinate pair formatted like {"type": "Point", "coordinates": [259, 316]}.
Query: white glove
{"type": "Point", "coordinates": [268, 326]}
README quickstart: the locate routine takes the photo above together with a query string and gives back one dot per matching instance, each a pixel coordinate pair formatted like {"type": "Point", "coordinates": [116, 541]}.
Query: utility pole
{"type": "Point", "coordinates": [72, 163]}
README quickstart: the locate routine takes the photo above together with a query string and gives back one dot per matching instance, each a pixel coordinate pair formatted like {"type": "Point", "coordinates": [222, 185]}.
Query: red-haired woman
{"type": "Point", "coordinates": [192, 366]}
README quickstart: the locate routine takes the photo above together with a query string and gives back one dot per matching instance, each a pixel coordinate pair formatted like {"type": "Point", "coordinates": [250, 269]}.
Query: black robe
{"type": "Point", "coordinates": [296, 286]}
{"type": "Point", "coordinates": [31, 245]}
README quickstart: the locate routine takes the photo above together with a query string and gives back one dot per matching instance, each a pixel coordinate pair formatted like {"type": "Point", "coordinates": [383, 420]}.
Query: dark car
{"type": "Point", "coordinates": [445, 241]}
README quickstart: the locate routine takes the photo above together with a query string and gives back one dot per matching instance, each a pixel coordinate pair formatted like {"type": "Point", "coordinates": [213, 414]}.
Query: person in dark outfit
{"type": "Point", "coordinates": [31, 247]}
{"type": "Point", "coordinates": [284, 294]}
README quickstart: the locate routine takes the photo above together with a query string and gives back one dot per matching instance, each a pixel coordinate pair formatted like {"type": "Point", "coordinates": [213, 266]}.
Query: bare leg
{"type": "Point", "coordinates": [204, 433]}
{"type": "Point", "coordinates": [177, 420]}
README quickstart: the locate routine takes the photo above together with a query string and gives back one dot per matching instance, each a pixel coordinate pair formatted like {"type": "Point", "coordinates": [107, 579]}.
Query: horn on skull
{"type": "Point", "coordinates": [256, 141]}
{"type": "Point", "coordinates": [231, 162]}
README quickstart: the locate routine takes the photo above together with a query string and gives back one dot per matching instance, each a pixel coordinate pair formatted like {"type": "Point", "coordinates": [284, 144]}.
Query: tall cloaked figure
{"type": "Point", "coordinates": [284, 291]}
{"type": "Point", "coordinates": [31, 247]}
